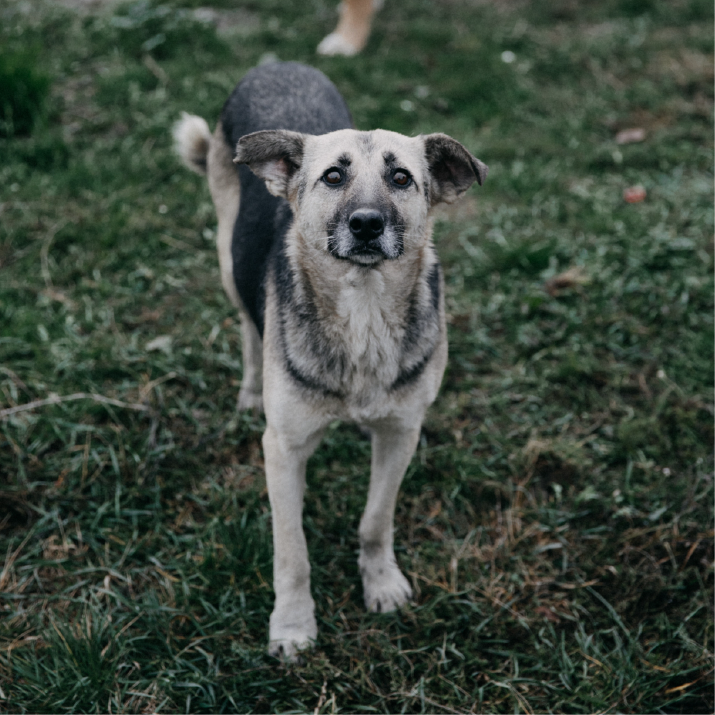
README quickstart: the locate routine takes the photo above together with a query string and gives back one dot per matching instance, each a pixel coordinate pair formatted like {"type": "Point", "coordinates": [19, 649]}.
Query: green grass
{"type": "Point", "coordinates": [556, 522]}
{"type": "Point", "coordinates": [24, 89]}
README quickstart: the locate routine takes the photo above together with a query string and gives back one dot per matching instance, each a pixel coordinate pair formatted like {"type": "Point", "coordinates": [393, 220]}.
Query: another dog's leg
{"type": "Point", "coordinates": [293, 626]}
{"type": "Point", "coordinates": [353, 28]}
{"type": "Point", "coordinates": [384, 586]}
{"type": "Point", "coordinates": [225, 192]}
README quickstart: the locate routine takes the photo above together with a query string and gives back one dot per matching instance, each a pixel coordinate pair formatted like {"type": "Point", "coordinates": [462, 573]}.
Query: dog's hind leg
{"type": "Point", "coordinates": [225, 192]}
{"type": "Point", "coordinates": [384, 586]}
{"type": "Point", "coordinates": [250, 396]}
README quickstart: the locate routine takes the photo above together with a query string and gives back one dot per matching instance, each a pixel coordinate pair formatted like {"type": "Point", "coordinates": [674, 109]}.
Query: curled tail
{"type": "Point", "coordinates": [192, 138]}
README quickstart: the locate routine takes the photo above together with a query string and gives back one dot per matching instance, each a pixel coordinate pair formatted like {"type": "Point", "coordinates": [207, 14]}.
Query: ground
{"type": "Point", "coordinates": [556, 521]}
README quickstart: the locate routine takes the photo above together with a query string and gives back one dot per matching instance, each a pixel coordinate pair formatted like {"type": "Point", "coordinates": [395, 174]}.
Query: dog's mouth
{"type": "Point", "coordinates": [367, 254]}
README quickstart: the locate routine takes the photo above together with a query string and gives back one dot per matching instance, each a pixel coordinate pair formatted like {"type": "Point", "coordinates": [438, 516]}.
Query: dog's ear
{"type": "Point", "coordinates": [452, 168]}
{"type": "Point", "coordinates": [272, 155]}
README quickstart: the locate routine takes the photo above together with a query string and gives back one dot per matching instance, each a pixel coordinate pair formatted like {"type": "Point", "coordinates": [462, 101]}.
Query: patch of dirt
{"type": "Point", "coordinates": [238, 21]}
{"type": "Point", "coordinates": [87, 6]}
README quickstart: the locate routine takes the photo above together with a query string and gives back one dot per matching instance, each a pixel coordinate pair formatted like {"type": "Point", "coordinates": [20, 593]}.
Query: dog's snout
{"type": "Point", "coordinates": [366, 224]}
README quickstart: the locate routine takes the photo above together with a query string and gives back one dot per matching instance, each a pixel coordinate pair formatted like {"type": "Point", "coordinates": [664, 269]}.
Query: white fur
{"type": "Point", "coordinates": [192, 138]}
{"type": "Point", "coordinates": [335, 44]}
{"type": "Point", "coordinates": [363, 314]}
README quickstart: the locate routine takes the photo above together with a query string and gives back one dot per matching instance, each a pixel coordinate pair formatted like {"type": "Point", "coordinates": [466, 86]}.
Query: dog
{"type": "Point", "coordinates": [353, 30]}
{"type": "Point", "coordinates": [325, 248]}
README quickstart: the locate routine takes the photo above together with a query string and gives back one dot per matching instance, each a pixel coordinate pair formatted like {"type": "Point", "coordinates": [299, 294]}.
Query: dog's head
{"type": "Point", "coordinates": [361, 196]}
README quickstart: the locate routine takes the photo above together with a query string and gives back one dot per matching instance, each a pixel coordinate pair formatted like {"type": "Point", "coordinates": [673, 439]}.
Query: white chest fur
{"type": "Point", "coordinates": [370, 325]}
{"type": "Point", "coordinates": [358, 334]}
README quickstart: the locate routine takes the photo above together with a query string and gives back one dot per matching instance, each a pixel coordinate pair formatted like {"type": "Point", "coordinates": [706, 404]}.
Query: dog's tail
{"type": "Point", "coordinates": [192, 138]}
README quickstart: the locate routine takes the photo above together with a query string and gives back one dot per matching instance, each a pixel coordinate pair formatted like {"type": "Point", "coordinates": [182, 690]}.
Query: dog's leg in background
{"type": "Point", "coordinates": [292, 626]}
{"type": "Point", "coordinates": [384, 586]}
{"type": "Point", "coordinates": [353, 29]}
{"type": "Point", "coordinates": [250, 395]}
{"type": "Point", "coordinates": [225, 192]}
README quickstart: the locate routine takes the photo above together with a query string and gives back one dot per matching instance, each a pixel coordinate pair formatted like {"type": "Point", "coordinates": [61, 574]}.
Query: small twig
{"type": "Point", "coordinates": [57, 399]}
{"type": "Point", "coordinates": [45, 251]}
{"type": "Point", "coordinates": [13, 376]}
{"type": "Point", "coordinates": [432, 702]}
{"type": "Point", "coordinates": [10, 560]}
{"type": "Point", "coordinates": [144, 392]}
{"type": "Point", "coordinates": [153, 66]}
{"type": "Point", "coordinates": [321, 699]}
{"type": "Point", "coordinates": [176, 243]}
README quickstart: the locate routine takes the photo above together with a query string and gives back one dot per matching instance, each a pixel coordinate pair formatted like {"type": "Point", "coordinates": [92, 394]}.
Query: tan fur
{"type": "Point", "coordinates": [353, 30]}
{"type": "Point", "coordinates": [207, 153]}
{"type": "Point", "coordinates": [226, 195]}
{"type": "Point", "coordinates": [191, 140]}
{"type": "Point", "coordinates": [375, 347]}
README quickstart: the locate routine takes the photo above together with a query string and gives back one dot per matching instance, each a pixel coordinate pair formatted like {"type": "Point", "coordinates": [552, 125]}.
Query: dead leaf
{"type": "Point", "coordinates": [570, 278]}
{"type": "Point", "coordinates": [634, 194]}
{"type": "Point", "coordinates": [161, 342]}
{"type": "Point", "coordinates": [630, 136]}
{"type": "Point", "coordinates": [547, 613]}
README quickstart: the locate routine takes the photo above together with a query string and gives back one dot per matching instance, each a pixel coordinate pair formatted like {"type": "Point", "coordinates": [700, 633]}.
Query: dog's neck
{"type": "Point", "coordinates": [356, 330]}
{"type": "Point", "coordinates": [391, 282]}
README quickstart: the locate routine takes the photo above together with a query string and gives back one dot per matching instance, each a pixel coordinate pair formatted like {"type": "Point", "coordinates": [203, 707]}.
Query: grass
{"type": "Point", "coordinates": [556, 522]}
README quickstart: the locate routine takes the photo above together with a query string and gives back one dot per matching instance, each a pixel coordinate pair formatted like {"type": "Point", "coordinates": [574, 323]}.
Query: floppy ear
{"type": "Point", "coordinates": [452, 168]}
{"type": "Point", "coordinates": [272, 155]}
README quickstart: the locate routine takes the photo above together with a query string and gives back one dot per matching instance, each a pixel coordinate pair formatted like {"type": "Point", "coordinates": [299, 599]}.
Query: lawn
{"type": "Point", "coordinates": [556, 522]}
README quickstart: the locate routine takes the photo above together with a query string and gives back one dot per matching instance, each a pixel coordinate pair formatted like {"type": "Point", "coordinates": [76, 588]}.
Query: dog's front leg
{"type": "Point", "coordinates": [292, 626]}
{"type": "Point", "coordinates": [384, 586]}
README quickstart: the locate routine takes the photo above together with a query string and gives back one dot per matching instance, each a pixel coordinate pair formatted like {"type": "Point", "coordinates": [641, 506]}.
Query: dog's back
{"type": "Point", "coordinates": [284, 95]}
{"type": "Point", "coordinates": [281, 95]}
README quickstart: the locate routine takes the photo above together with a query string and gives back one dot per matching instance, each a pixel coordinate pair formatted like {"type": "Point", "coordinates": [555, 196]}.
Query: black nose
{"type": "Point", "coordinates": [366, 224]}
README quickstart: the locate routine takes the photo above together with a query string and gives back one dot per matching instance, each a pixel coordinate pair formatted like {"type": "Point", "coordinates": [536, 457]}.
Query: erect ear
{"type": "Point", "coordinates": [452, 168]}
{"type": "Point", "coordinates": [273, 155]}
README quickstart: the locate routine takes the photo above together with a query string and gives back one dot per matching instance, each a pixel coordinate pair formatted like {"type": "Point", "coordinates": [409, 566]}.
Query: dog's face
{"type": "Point", "coordinates": [363, 197]}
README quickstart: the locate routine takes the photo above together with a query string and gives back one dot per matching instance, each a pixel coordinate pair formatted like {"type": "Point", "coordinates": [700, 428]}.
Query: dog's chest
{"type": "Point", "coordinates": [359, 337]}
{"type": "Point", "coordinates": [348, 342]}
{"type": "Point", "coordinates": [370, 328]}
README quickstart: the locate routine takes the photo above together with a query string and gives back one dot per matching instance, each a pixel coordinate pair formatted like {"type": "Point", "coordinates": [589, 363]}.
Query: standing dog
{"type": "Point", "coordinates": [331, 264]}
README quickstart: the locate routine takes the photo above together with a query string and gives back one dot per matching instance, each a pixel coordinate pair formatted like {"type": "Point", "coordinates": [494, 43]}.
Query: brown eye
{"type": "Point", "coordinates": [401, 178]}
{"type": "Point", "coordinates": [333, 177]}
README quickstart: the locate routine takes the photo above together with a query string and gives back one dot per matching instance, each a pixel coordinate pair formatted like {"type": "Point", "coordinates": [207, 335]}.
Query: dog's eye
{"type": "Point", "coordinates": [333, 177]}
{"type": "Point", "coordinates": [401, 178]}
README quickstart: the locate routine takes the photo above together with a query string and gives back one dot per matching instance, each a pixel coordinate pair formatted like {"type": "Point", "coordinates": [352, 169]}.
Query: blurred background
{"type": "Point", "coordinates": [556, 522]}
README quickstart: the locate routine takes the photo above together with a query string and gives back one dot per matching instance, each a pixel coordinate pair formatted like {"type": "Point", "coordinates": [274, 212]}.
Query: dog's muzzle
{"type": "Point", "coordinates": [370, 238]}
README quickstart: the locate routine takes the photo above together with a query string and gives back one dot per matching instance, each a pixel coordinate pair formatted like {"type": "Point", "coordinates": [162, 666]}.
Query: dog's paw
{"type": "Point", "coordinates": [289, 650]}
{"type": "Point", "coordinates": [335, 44]}
{"type": "Point", "coordinates": [385, 588]}
{"type": "Point", "coordinates": [249, 400]}
{"type": "Point", "coordinates": [291, 633]}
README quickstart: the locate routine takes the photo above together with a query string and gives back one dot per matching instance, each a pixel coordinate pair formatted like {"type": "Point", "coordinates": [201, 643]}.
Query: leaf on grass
{"type": "Point", "coordinates": [630, 136]}
{"type": "Point", "coordinates": [161, 342]}
{"type": "Point", "coordinates": [547, 613]}
{"type": "Point", "coordinates": [570, 278]}
{"type": "Point", "coordinates": [681, 687]}
{"type": "Point", "coordinates": [634, 194]}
